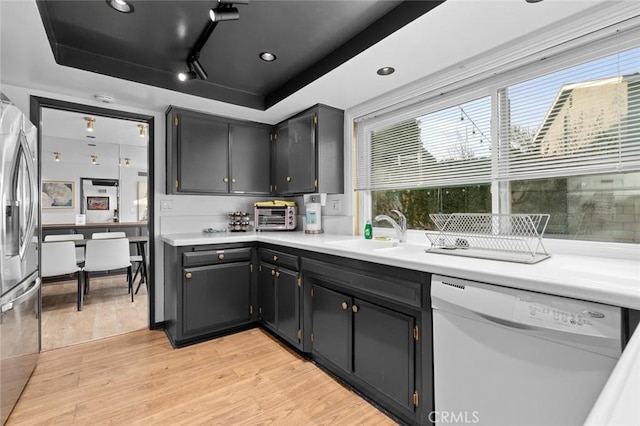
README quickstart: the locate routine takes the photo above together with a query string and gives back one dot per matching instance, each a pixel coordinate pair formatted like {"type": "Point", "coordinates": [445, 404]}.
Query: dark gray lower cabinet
{"type": "Point", "coordinates": [373, 343]}
{"type": "Point", "coordinates": [216, 295]}
{"type": "Point", "coordinates": [383, 351]}
{"type": "Point", "coordinates": [208, 290]}
{"type": "Point", "coordinates": [279, 302]}
{"type": "Point", "coordinates": [331, 319]}
{"type": "Point", "coordinates": [365, 324]}
{"type": "Point", "coordinates": [267, 295]}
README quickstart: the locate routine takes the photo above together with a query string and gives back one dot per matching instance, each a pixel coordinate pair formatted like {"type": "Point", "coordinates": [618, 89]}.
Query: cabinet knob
{"type": "Point", "coordinates": [275, 258]}
{"type": "Point", "coordinates": [233, 180]}
{"type": "Point", "coordinates": [288, 178]}
{"type": "Point", "coordinates": [345, 305]}
{"type": "Point", "coordinates": [277, 274]}
{"type": "Point", "coordinates": [225, 180]}
{"type": "Point", "coordinates": [354, 308]}
{"type": "Point", "coordinates": [221, 256]}
{"type": "Point", "coordinates": [273, 272]}
{"type": "Point", "coordinates": [187, 275]}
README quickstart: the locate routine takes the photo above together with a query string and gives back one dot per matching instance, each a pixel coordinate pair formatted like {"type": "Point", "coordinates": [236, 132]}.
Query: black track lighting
{"type": "Point", "coordinates": [224, 14]}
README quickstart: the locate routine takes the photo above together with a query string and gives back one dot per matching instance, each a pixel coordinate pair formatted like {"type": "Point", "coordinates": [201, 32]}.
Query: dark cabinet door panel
{"type": "Point", "coordinates": [216, 295]}
{"type": "Point", "coordinates": [302, 154]}
{"type": "Point", "coordinates": [267, 294]}
{"type": "Point", "coordinates": [383, 351]}
{"type": "Point", "coordinates": [288, 305]}
{"type": "Point", "coordinates": [249, 158]}
{"type": "Point", "coordinates": [280, 164]}
{"type": "Point", "coordinates": [331, 312]}
{"type": "Point", "coordinates": [203, 147]}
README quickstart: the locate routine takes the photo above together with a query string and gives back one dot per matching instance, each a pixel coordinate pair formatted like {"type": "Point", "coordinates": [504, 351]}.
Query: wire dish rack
{"type": "Point", "coordinates": [508, 237]}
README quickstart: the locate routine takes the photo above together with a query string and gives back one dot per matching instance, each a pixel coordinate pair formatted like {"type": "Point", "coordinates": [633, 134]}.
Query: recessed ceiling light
{"type": "Point", "coordinates": [91, 144]}
{"type": "Point", "coordinates": [533, 1]}
{"type": "Point", "coordinates": [267, 56]}
{"type": "Point", "coordinates": [386, 71]}
{"type": "Point", "coordinates": [120, 5]}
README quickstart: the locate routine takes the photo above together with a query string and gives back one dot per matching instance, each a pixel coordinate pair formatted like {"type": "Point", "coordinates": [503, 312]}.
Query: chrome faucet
{"type": "Point", "coordinates": [400, 226]}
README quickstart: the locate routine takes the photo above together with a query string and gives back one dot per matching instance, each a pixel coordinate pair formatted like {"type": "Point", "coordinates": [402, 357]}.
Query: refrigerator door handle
{"type": "Point", "coordinates": [20, 299]}
{"type": "Point", "coordinates": [25, 152]}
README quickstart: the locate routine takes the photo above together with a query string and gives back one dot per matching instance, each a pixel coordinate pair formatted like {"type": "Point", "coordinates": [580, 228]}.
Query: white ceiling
{"type": "Point", "coordinates": [71, 125]}
{"type": "Point", "coordinates": [449, 35]}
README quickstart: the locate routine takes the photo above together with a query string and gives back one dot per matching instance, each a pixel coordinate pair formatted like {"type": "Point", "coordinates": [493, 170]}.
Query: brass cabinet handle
{"type": "Point", "coordinates": [354, 308]}
{"type": "Point", "coordinates": [225, 180]}
{"type": "Point", "coordinates": [273, 272]}
{"type": "Point", "coordinates": [275, 258]}
{"type": "Point", "coordinates": [233, 180]}
{"type": "Point", "coordinates": [187, 275]}
{"type": "Point", "coordinates": [344, 306]}
{"type": "Point", "coordinates": [288, 178]}
{"type": "Point", "coordinates": [221, 256]}
{"type": "Point", "coordinates": [277, 274]}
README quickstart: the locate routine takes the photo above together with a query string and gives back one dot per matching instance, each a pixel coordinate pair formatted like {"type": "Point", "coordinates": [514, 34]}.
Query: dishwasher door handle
{"type": "Point", "coordinates": [509, 323]}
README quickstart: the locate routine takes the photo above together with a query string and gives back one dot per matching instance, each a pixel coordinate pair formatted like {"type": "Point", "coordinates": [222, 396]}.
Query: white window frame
{"type": "Point", "coordinates": [571, 48]}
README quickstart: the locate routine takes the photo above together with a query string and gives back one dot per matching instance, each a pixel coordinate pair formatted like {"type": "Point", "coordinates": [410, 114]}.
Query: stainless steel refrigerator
{"type": "Point", "coordinates": [19, 234]}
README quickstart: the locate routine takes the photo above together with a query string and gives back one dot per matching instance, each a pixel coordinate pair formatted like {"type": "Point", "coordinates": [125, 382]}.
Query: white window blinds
{"type": "Point", "coordinates": [581, 120]}
{"type": "Point", "coordinates": [447, 147]}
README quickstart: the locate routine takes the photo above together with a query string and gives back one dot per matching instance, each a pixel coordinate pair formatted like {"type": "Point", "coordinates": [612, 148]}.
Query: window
{"type": "Point", "coordinates": [566, 142]}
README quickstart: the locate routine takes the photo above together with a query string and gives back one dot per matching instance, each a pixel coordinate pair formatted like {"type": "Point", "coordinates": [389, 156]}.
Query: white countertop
{"type": "Point", "coordinates": [604, 280]}
{"type": "Point", "coordinates": [598, 279]}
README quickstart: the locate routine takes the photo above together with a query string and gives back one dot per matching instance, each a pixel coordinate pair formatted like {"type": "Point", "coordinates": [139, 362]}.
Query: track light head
{"type": "Point", "coordinates": [195, 66]}
{"type": "Point", "coordinates": [224, 14]}
{"type": "Point", "coordinates": [184, 76]}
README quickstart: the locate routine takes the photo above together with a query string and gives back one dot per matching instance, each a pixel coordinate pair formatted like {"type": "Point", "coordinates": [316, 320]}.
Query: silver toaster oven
{"type": "Point", "coordinates": [275, 218]}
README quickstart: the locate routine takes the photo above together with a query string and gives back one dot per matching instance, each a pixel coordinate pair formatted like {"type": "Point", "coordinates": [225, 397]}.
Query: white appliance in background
{"type": "Point", "coordinates": [313, 218]}
{"type": "Point", "coordinates": [19, 275]}
{"type": "Point", "coordinates": [503, 356]}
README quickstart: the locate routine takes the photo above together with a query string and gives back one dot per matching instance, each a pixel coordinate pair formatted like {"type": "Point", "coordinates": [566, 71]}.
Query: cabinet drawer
{"type": "Point", "coordinates": [212, 257]}
{"type": "Point", "coordinates": [279, 258]}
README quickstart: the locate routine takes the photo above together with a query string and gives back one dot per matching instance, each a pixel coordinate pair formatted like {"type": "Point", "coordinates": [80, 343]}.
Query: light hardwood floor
{"type": "Point", "coordinates": [248, 378]}
{"type": "Point", "coordinates": [107, 311]}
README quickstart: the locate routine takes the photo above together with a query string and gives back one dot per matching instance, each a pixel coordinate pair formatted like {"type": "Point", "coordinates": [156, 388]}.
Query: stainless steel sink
{"type": "Point", "coordinates": [362, 244]}
{"type": "Point", "coordinates": [377, 246]}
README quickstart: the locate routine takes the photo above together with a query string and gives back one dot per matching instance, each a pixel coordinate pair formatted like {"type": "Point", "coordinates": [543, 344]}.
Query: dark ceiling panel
{"type": "Point", "coordinates": [152, 44]}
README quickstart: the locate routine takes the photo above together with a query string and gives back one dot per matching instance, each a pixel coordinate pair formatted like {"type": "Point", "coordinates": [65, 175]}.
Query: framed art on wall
{"type": "Point", "coordinates": [97, 203]}
{"type": "Point", "coordinates": [57, 194]}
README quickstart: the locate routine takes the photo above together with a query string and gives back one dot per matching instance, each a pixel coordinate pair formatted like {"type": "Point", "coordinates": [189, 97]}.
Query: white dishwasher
{"type": "Point", "coordinates": [503, 356]}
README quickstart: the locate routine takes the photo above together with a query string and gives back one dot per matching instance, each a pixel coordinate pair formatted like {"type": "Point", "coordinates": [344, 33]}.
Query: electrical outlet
{"type": "Point", "coordinates": [166, 205]}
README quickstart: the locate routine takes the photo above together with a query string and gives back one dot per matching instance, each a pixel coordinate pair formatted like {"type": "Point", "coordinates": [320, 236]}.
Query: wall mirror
{"type": "Point", "coordinates": [89, 157]}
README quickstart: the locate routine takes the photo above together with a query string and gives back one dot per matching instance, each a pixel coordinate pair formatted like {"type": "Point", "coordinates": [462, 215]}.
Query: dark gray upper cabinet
{"type": "Point", "coordinates": [201, 147]}
{"type": "Point", "coordinates": [214, 155]}
{"type": "Point", "coordinates": [309, 152]}
{"type": "Point", "coordinates": [280, 160]}
{"type": "Point", "coordinates": [249, 158]}
{"type": "Point", "coordinates": [302, 154]}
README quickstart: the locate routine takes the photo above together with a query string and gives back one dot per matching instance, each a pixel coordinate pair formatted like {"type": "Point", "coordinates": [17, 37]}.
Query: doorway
{"type": "Point", "coordinates": [121, 211]}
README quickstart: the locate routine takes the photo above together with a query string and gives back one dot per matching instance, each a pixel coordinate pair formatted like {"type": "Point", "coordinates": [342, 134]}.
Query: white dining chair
{"type": "Point", "coordinates": [135, 259]}
{"type": "Point", "coordinates": [107, 254]}
{"type": "Point", "coordinates": [69, 237]}
{"type": "Point", "coordinates": [59, 258]}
